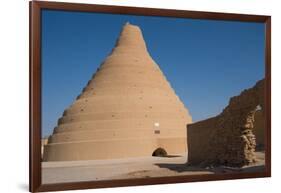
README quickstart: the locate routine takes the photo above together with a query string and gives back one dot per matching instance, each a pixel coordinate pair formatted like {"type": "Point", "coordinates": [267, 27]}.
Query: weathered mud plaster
{"type": "Point", "coordinates": [228, 138]}
{"type": "Point", "coordinates": [127, 109]}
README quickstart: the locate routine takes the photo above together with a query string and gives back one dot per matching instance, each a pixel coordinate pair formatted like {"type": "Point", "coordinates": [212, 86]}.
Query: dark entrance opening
{"type": "Point", "coordinates": [160, 152]}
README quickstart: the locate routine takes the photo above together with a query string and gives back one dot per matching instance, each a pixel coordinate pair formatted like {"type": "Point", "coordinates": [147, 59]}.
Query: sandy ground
{"type": "Point", "coordinates": [144, 167]}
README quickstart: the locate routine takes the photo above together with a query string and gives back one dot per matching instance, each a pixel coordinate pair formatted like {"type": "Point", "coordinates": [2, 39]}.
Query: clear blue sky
{"type": "Point", "coordinates": [205, 61]}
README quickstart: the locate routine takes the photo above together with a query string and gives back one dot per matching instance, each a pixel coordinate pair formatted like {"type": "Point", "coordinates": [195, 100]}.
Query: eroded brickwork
{"type": "Point", "coordinates": [229, 138]}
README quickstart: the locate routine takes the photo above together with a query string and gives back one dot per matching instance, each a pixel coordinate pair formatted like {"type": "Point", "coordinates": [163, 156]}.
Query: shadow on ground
{"type": "Point", "coordinates": [217, 170]}
{"type": "Point", "coordinates": [169, 156]}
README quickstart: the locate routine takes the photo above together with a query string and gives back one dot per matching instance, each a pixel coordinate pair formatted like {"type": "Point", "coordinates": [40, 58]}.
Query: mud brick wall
{"type": "Point", "coordinates": [228, 138]}
{"type": "Point", "coordinates": [198, 139]}
{"type": "Point", "coordinates": [259, 129]}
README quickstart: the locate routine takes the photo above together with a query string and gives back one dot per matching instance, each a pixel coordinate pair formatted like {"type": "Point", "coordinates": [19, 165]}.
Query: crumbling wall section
{"type": "Point", "coordinates": [259, 129]}
{"type": "Point", "coordinates": [228, 139]}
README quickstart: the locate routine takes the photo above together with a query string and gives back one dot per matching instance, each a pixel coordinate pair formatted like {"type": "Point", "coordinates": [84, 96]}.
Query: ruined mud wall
{"type": "Point", "coordinates": [198, 139]}
{"type": "Point", "coordinates": [259, 129]}
{"type": "Point", "coordinates": [228, 138]}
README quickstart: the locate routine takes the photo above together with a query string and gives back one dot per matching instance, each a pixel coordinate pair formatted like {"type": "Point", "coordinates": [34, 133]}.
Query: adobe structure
{"type": "Point", "coordinates": [231, 137]}
{"type": "Point", "coordinates": [127, 109]}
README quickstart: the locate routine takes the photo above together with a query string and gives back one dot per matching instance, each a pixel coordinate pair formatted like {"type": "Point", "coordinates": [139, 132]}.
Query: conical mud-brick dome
{"type": "Point", "coordinates": [127, 109]}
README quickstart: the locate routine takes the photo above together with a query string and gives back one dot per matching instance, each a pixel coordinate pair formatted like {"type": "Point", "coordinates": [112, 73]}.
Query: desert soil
{"type": "Point", "coordinates": [144, 167]}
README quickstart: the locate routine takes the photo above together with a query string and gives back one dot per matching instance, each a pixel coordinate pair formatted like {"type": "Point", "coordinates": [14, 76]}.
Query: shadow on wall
{"type": "Point", "coordinates": [228, 139]}
{"type": "Point", "coordinates": [259, 129]}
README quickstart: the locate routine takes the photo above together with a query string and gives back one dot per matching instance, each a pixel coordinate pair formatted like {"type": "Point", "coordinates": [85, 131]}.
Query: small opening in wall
{"type": "Point", "coordinates": [156, 131]}
{"type": "Point", "coordinates": [160, 152]}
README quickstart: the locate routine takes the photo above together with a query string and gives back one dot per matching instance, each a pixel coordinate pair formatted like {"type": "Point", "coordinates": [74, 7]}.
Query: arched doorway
{"type": "Point", "coordinates": [160, 152]}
